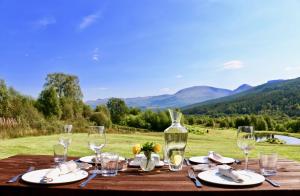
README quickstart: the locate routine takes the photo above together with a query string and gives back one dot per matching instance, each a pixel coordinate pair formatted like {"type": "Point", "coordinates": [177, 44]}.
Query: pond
{"type": "Point", "coordinates": [287, 139]}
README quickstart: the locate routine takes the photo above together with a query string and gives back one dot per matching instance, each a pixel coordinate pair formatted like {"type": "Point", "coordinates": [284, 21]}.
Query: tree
{"type": "Point", "coordinates": [117, 109]}
{"type": "Point", "coordinates": [102, 108]}
{"type": "Point", "coordinates": [65, 85]}
{"type": "Point", "coordinates": [4, 99]}
{"type": "Point", "coordinates": [101, 119]}
{"type": "Point", "coordinates": [66, 108]}
{"type": "Point", "coordinates": [87, 111]}
{"type": "Point", "coordinates": [261, 124]}
{"type": "Point", "coordinates": [48, 103]}
{"type": "Point", "coordinates": [134, 111]}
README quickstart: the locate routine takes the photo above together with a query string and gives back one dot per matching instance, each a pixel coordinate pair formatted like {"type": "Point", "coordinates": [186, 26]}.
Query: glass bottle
{"type": "Point", "coordinates": [175, 142]}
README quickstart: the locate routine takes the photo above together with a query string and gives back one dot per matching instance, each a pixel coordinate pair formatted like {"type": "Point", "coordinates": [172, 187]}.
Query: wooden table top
{"type": "Point", "coordinates": [134, 182]}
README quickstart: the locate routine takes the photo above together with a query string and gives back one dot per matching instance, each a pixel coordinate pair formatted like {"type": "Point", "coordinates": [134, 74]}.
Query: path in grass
{"type": "Point", "coordinates": [221, 141]}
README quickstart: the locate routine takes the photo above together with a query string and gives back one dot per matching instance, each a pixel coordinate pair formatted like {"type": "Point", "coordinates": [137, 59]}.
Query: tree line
{"type": "Point", "coordinates": [259, 122]}
{"type": "Point", "coordinates": [61, 102]}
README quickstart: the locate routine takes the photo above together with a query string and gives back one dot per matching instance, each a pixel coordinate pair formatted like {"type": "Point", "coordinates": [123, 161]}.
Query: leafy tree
{"type": "Point", "coordinates": [261, 124]}
{"type": "Point", "coordinates": [65, 85]}
{"type": "Point", "coordinates": [86, 111]}
{"type": "Point", "coordinates": [134, 111]}
{"type": "Point", "coordinates": [210, 123]}
{"type": "Point", "coordinates": [101, 119]}
{"type": "Point", "coordinates": [117, 109]}
{"type": "Point", "coordinates": [102, 108]}
{"type": "Point", "coordinates": [4, 99]}
{"type": "Point", "coordinates": [48, 103]}
{"type": "Point", "coordinates": [66, 108]}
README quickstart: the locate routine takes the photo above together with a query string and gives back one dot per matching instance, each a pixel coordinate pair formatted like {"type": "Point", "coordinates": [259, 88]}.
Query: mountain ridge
{"type": "Point", "coordinates": [181, 98]}
{"type": "Point", "coordinates": [274, 97]}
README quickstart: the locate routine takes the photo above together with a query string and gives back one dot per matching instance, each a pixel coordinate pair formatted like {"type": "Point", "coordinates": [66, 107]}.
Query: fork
{"type": "Point", "coordinates": [187, 162]}
{"type": "Point", "coordinates": [15, 178]}
{"type": "Point", "coordinates": [193, 177]}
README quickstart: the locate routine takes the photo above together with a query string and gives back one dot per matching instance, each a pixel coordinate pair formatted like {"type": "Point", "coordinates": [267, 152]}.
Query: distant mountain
{"type": "Point", "coordinates": [242, 88]}
{"type": "Point", "coordinates": [182, 98]}
{"type": "Point", "coordinates": [274, 97]}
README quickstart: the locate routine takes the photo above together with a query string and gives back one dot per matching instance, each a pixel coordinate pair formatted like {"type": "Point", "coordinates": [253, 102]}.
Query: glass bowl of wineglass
{"type": "Point", "coordinates": [65, 137]}
{"type": "Point", "coordinates": [96, 141]}
{"type": "Point", "coordinates": [246, 141]}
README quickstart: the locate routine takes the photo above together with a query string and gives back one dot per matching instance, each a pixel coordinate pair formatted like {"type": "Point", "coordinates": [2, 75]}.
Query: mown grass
{"type": "Point", "coordinates": [221, 141]}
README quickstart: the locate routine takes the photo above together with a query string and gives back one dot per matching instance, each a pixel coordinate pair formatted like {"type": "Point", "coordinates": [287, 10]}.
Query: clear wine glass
{"type": "Point", "coordinates": [96, 141]}
{"type": "Point", "coordinates": [65, 138]}
{"type": "Point", "coordinates": [246, 141]}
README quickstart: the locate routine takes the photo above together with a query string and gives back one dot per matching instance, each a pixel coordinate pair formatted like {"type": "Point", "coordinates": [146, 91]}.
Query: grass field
{"type": "Point", "coordinates": [221, 141]}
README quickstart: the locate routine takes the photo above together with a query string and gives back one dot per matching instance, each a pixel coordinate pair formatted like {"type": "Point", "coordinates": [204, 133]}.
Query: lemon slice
{"type": "Point", "coordinates": [177, 159]}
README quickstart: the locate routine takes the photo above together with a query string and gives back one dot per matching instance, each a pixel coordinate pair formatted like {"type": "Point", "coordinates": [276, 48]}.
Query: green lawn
{"type": "Point", "coordinates": [221, 141]}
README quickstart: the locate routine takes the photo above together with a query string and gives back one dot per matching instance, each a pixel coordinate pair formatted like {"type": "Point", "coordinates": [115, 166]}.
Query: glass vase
{"type": "Point", "coordinates": [147, 163]}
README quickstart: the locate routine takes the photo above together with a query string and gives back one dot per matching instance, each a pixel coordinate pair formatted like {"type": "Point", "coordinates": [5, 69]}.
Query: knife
{"type": "Point", "coordinates": [87, 181]}
{"type": "Point", "coordinates": [273, 183]}
{"type": "Point", "coordinates": [16, 178]}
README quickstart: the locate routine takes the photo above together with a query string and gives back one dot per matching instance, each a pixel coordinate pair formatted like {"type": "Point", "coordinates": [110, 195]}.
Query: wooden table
{"type": "Point", "coordinates": [134, 182]}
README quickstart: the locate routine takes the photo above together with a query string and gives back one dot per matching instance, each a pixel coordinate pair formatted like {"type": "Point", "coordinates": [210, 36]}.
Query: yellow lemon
{"type": "Point", "coordinates": [177, 159]}
{"type": "Point", "coordinates": [157, 148]}
{"type": "Point", "coordinates": [136, 149]}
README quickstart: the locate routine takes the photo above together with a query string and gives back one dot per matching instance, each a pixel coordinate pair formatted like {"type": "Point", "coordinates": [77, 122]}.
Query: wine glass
{"type": "Point", "coordinates": [246, 141]}
{"type": "Point", "coordinates": [96, 141]}
{"type": "Point", "coordinates": [65, 138]}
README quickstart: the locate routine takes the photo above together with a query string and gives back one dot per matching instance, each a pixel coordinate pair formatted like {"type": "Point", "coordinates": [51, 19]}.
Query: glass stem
{"type": "Point", "coordinates": [246, 160]}
{"type": "Point", "coordinates": [97, 160]}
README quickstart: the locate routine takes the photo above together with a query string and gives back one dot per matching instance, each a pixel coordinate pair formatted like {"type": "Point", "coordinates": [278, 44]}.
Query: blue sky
{"type": "Point", "coordinates": [128, 48]}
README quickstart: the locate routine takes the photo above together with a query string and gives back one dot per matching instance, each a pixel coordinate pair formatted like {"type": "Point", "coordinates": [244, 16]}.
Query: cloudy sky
{"type": "Point", "coordinates": [128, 48]}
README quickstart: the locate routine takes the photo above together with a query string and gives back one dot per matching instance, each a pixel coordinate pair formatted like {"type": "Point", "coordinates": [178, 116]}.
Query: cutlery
{"type": "Point", "coordinates": [193, 177]}
{"type": "Point", "coordinates": [15, 178]}
{"type": "Point", "coordinates": [83, 184]}
{"type": "Point", "coordinates": [273, 183]}
{"type": "Point", "coordinates": [187, 162]}
{"type": "Point", "coordinates": [237, 161]}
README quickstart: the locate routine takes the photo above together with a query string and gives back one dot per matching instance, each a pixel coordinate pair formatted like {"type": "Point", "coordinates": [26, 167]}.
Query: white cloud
{"type": "Point", "coordinates": [179, 76]}
{"type": "Point", "coordinates": [88, 20]}
{"type": "Point", "coordinates": [233, 65]}
{"type": "Point", "coordinates": [95, 55]}
{"type": "Point", "coordinates": [44, 22]}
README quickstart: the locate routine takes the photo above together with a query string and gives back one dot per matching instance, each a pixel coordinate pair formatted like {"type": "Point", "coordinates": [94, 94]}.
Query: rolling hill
{"type": "Point", "coordinates": [274, 97]}
{"type": "Point", "coordinates": [182, 98]}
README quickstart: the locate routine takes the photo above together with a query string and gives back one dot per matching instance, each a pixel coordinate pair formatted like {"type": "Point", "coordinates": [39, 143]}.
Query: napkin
{"type": "Point", "coordinates": [203, 167]}
{"type": "Point", "coordinates": [216, 157]}
{"type": "Point", "coordinates": [227, 171]}
{"type": "Point", "coordinates": [62, 169]}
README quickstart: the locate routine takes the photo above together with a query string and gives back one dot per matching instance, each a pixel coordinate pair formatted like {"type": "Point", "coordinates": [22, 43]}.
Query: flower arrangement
{"type": "Point", "coordinates": [147, 148]}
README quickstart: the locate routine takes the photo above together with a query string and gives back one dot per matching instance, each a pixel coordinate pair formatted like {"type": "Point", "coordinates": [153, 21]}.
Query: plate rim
{"type": "Point", "coordinates": [236, 184]}
{"type": "Point", "coordinates": [86, 174]}
{"type": "Point", "coordinates": [80, 159]}
{"type": "Point", "coordinates": [232, 160]}
{"type": "Point", "coordinates": [157, 166]}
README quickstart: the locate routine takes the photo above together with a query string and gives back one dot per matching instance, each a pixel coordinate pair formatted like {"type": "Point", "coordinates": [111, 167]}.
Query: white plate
{"type": "Point", "coordinates": [37, 175]}
{"type": "Point", "coordinates": [250, 178]}
{"type": "Point", "coordinates": [137, 164]}
{"type": "Point", "coordinates": [205, 160]}
{"type": "Point", "coordinates": [89, 159]}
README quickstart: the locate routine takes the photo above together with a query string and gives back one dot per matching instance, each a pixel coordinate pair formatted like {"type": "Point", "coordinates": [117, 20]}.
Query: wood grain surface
{"type": "Point", "coordinates": [133, 181]}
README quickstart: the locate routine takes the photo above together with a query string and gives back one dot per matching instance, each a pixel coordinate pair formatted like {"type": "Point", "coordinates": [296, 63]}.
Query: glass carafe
{"type": "Point", "coordinates": [175, 142]}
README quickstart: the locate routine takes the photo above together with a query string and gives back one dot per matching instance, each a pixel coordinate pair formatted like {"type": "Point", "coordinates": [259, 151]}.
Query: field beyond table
{"type": "Point", "coordinates": [135, 182]}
